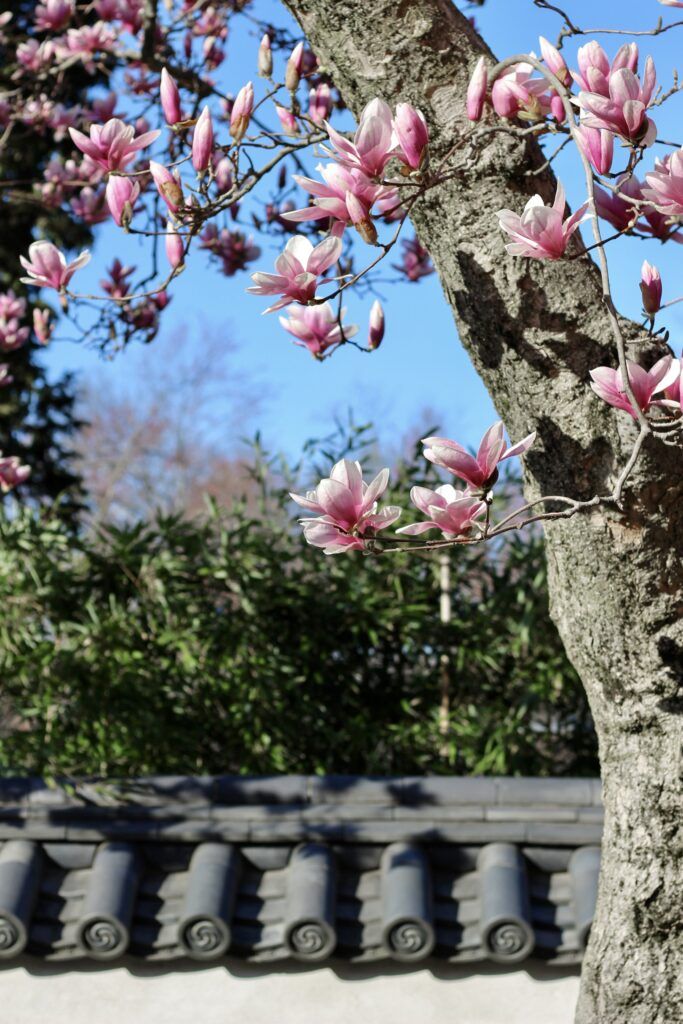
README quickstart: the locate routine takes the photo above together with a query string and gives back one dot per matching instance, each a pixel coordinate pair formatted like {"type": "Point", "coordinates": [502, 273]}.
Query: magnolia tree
{"type": "Point", "coordinates": [450, 139]}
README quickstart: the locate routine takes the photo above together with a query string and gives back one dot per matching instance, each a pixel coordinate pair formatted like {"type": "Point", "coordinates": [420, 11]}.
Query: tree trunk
{"type": "Point", "coordinates": [534, 331]}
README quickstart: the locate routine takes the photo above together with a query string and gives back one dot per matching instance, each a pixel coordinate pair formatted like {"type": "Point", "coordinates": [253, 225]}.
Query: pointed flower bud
{"type": "Point", "coordinates": [413, 136]}
{"type": "Point", "coordinates": [288, 121]}
{"type": "Point", "coordinates": [294, 67]}
{"type": "Point", "coordinates": [476, 91]}
{"type": "Point", "coordinates": [175, 250]}
{"type": "Point", "coordinates": [42, 326]}
{"type": "Point", "coordinates": [320, 103]}
{"type": "Point", "coordinates": [376, 331]}
{"type": "Point", "coordinates": [170, 98]}
{"type": "Point", "coordinates": [241, 112]}
{"type": "Point", "coordinates": [167, 185]}
{"type": "Point", "coordinates": [360, 218]}
{"type": "Point", "coordinates": [121, 194]}
{"type": "Point", "coordinates": [650, 288]}
{"type": "Point", "coordinates": [264, 61]}
{"type": "Point", "coordinates": [202, 142]}
{"type": "Point", "coordinates": [555, 61]}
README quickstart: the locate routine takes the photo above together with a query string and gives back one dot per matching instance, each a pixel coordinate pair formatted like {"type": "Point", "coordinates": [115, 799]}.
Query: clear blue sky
{"type": "Point", "coordinates": [421, 363]}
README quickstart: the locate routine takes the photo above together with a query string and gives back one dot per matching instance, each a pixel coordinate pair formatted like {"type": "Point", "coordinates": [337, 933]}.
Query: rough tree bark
{"type": "Point", "coordinates": [533, 331]}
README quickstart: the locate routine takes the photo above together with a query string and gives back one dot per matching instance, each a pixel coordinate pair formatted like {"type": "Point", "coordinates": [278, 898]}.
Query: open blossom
{"type": "Point", "coordinates": [517, 93]}
{"type": "Point", "coordinates": [233, 248]}
{"type": "Point", "coordinates": [415, 261]}
{"type": "Point", "coordinates": [623, 110]}
{"type": "Point", "coordinates": [673, 392]}
{"type": "Point", "coordinates": [540, 232]}
{"type": "Point", "coordinates": [87, 41]}
{"type": "Point", "coordinates": [664, 185]}
{"type": "Point", "coordinates": [595, 69]}
{"type": "Point", "coordinates": [453, 512]}
{"type": "Point", "coordinates": [12, 305]}
{"type": "Point", "coordinates": [480, 471]}
{"type": "Point", "coordinates": [330, 196]}
{"type": "Point", "coordinates": [608, 384]}
{"type": "Point", "coordinates": [317, 327]}
{"type": "Point", "coordinates": [53, 14]}
{"type": "Point", "coordinates": [298, 269]}
{"type": "Point", "coordinates": [12, 473]}
{"type": "Point", "coordinates": [12, 334]}
{"type": "Point", "coordinates": [47, 266]}
{"type": "Point", "coordinates": [650, 288]}
{"type": "Point", "coordinates": [373, 143]}
{"type": "Point", "coordinates": [113, 145]}
{"type": "Point", "coordinates": [346, 509]}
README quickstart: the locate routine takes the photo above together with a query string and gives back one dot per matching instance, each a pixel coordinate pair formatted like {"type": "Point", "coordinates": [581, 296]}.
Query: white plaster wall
{"type": "Point", "coordinates": [243, 994]}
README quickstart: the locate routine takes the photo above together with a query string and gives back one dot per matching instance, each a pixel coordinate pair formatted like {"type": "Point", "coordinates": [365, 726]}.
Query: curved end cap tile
{"type": "Point", "coordinates": [102, 937]}
{"type": "Point", "coordinates": [204, 937]}
{"type": "Point", "coordinates": [508, 940]}
{"type": "Point", "coordinates": [13, 935]}
{"type": "Point", "coordinates": [310, 940]}
{"type": "Point", "coordinates": [409, 940]}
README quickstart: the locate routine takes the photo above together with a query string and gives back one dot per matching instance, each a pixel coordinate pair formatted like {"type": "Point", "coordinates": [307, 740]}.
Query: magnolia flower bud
{"type": "Point", "coordinates": [241, 112]}
{"type": "Point", "coordinates": [413, 136]}
{"type": "Point", "coordinates": [376, 329]}
{"type": "Point", "coordinates": [167, 185]}
{"type": "Point", "coordinates": [202, 142]}
{"type": "Point", "coordinates": [121, 194]}
{"type": "Point", "coordinates": [287, 120]}
{"type": "Point", "coordinates": [360, 218]}
{"type": "Point", "coordinates": [294, 67]}
{"type": "Point", "coordinates": [555, 61]}
{"type": "Point", "coordinates": [264, 61]}
{"type": "Point", "coordinates": [175, 251]}
{"type": "Point", "coordinates": [476, 91]}
{"type": "Point", "coordinates": [42, 327]}
{"type": "Point", "coordinates": [170, 98]}
{"type": "Point", "coordinates": [650, 288]}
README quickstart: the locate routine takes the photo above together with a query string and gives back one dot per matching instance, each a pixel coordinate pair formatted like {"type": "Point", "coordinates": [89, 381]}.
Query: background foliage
{"type": "Point", "coordinates": [224, 644]}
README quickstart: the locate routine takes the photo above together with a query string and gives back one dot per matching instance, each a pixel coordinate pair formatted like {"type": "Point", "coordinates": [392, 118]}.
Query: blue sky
{"type": "Point", "coordinates": [421, 364]}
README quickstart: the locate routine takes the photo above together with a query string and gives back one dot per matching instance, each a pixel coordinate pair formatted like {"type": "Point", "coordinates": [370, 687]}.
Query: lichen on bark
{"type": "Point", "coordinates": [533, 332]}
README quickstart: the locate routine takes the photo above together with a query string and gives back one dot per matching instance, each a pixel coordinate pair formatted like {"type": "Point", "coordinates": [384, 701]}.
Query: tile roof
{"type": "Point", "coordinates": [308, 867]}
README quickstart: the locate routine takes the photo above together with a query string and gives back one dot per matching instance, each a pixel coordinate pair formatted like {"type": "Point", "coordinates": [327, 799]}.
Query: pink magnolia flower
{"type": "Point", "coordinates": [540, 232]}
{"type": "Point", "coordinates": [416, 261]}
{"type": "Point", "coordinates": [624, 214]}
{"type": "Point", "coordinates": [330, 196]}
{"type": "Point", "coordinates": [623, 110]}
{"type": "Point", "coordinates": [6, 377]}
{"type": "Point", "coordinates": [170, 98]}
{"type": "Point", "coordinates": [121, 194]}
{"type": "Point", "coordinates": [480, 471]}
{"type": "Point", "coordinates": [597, 146]}
{"type": "Point", "coordinates": [608, 384]}
{"type": "Point", "coordinates": [665, 184]}
{"type": "Point", "coordinates": [89, 205]}
{"type": "Point", "coordinates": [413, 135]}
{"type": "Point", "coordinates": [168, 185]}
{"type": "Point", "coordinates": [11, 305]}
{"type": "Point", "coordinates": [373, 143]}
{"type": "Point", "coordinates": [346, 508]}
{"type": "Point", "coordinates": [202, 142]}
{"type": "Point", "coordinates": [673, 393]}
{"type": "Point", "coordinates": [47, 266]}
{"type": "Point", "coordinates": [232, 248]}
{"type": "Point", "coordinates": [113, 145]}
{"type": "Point", "coordinates": [453, 512]}
{"type": "Point", "coordinates": [376, 326]}
{"type": "Point", "coordinates": [85, 42]}
{"type": "Point", "coordinates": [555, 61]}
{"type": "Point", "coordinates": [53, 15]}
{"type": "Point", "coordinates": [12, 473]}
{"type": "Point", "coordinates": [289, 123]}
{"type": "Point", "coordinates": [298, 269]}
{"type": "Point", "coordinates": [595, 69]}
{"type": "Point", "coordinates": [650, 288]}
{"type": "Point", "coordinates": [241, 112]}
{"type": "Point", "coordinates": [264, 60]}
{"type": "Point", "coordinates": [320, 103]}
{"type": "Point", "coordinates": [12, 335]}
{"type": "Point", "coordinates": [43, 327]}
{"type": "Point", "coordinates": [516, 93]}
{"type": "Point", "coordinates": [317, 327]}
{"type": "Point", "coordinates": [222, 173]}
{"type": "Point", "coordinates": [476, 90]}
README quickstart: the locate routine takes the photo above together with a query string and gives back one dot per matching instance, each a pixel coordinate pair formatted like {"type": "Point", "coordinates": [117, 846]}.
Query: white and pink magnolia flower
{"type": "Point", "coordinates": [298, 269]}
{"type": "Point", "coordinates": [650, 288]}
{"type": "Point", "coordinates": [289, 123]}
{"type": "Point", "coordinates": [476, 90]}
{"type": "Point", "coordinates": [320, 103]}
{"type": "Point", "coordinates": [113, 145]}
{"type": "Point", "coordinates": [12, 305]}
{"type": "Point", "coordinates": [87, 41]}
{"type": "Point", "coordinates": [453, 512]}
{"type": "Point", "coordinates": [89, 205]}
{"type": "Point", "coordinates": [12, 334]}
{"type": "Point", "coordinates": [43, 326]}
{"type": "Point", "coordinates": [480, 471]}
{"type": "Point", "coordinates": [317, 327]}
{"type": "Point", "coordinates": [168, 185]}
{"type": "Point", "coordinates": [12, 473]}
{"type": "Point", "coordinates": [47, 267]}
{"type": "Point", "coordinates": [541, 233]}
{"type": "Point", "coordinates": [121, 195]}
{"type": "Point", "coordinates": [376, 325]}
{"type": "Point", "coordinates": [410, 128]}
{"type": "Point", "coordinates": [373, 142]}
{"type": "Point", "coordinates": [175, 249]}
{"type": "Point", "coordinates": [241, 112]}
{"type": "Point", "coordinates": [608, 384]}
{"type": "Point", "coordinates": [595, 69]}
{"type": "Point", "coordinates": [330, 196]}
{"type": "Point", "coordinates": [673, 393]}
{"type": "Point", "coordinates": [664, 185]}
{"type": "Point", "coordinates": [555, 61]}
{"type": "Point", "coordinates": [624, 110]}
{"type": "Point", "coordinates": [347, 514]}
{"type": "Point", "coordinates": [53, 15]}
{"type": "Point", "coordinates": [170, 98]}
{"type": "Point", "coordinates": [202, 142]}
{"type": "Point", "coordinates": [517, 93]}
